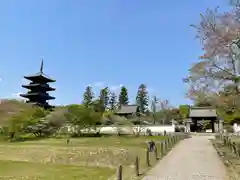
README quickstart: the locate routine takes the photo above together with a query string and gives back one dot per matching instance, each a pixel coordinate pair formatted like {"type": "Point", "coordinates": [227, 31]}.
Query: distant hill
{"type": "Point", "coordinates": [9, 107]}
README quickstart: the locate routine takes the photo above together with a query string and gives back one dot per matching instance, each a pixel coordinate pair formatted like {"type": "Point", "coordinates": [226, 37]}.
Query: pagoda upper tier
{"type": "Point", "coordinates": [36, 86]}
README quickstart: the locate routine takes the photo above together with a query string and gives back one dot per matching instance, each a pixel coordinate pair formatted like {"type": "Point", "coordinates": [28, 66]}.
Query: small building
{"type": "Point", "coordinates": [38, 89]}
{"type": "Point", "coordinates": [128, 111]}
{"type": "Point", "coordinates": [198, 115]}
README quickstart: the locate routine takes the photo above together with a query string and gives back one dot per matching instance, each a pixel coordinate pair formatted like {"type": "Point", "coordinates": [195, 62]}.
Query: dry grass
{"type": "Point", "coordinates": [10, 107]}
{"type": "Point", "coordinates": [103, 154]}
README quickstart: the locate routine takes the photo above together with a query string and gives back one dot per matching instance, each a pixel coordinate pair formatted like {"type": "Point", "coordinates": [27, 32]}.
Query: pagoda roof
{"type": "Point", "coordinates": [202, 112]}
{"type": "Point", "coordinates": [41, 76]}
{"type": "Point", "coordinates": [46, 86]}
{"type": "Point", "coordinates": [47, 97]}
{"type": "Point", "coordinates": [127, 109]}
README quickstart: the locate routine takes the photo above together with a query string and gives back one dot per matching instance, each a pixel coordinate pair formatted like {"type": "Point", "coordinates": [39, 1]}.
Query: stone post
{"type": "Point", "coordinates": [216, 129]}
{"type": "Point", "coordinates": [220, 126]}
{"type": "Point", "coordinates": [188, 122]}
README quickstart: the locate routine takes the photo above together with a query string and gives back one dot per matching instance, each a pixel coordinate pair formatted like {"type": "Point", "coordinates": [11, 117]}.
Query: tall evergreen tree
{"type": "Point", "coordinates": [88, 96]}
{"type": "Point", "coordinates": [123, 96]}
{"type": "Point", "coordinates": [113, 101]}
{"type": "Point", "coordinates": [104, 97]}
{"type": "Point", "coordinates": [142, 98]}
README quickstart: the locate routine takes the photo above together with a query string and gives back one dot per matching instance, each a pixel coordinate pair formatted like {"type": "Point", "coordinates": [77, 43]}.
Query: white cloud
{"type": "Point", "coordinates": [1, 79]}
{"type": "Point", "coordinates": [16, 96]}
{"type": "Point", "coordinates": [98, 84]}
{"type": "Point", "coordinates": [13, 96]}
{"type": "Point", "coordinates": [115, 87]}
{"type": "Point", "coordinates": [101, 84]}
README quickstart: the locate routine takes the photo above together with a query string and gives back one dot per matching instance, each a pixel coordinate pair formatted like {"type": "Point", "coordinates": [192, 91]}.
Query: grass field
{"type": "Point", "coordinates": [82, 159]}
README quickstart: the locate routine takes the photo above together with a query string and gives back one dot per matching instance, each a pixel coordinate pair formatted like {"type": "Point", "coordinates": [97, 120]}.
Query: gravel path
{"type": "Point", "coordinates": [192, 159]}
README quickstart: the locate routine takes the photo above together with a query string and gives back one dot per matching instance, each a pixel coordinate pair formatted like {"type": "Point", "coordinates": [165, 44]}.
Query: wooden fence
{"type": "Point", "coordinates": [165, 146]}
{"type": "Point", "coordinates": [232, 145]}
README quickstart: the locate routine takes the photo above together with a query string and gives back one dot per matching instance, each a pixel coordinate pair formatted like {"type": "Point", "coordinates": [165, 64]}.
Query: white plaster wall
{"type": "Point", "coordinates": [236, 128]}
{"type": "Point", "coordinates": [131, 129]}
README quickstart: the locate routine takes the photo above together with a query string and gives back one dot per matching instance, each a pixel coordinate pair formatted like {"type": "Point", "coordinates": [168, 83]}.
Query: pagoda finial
{"type": "Point", "coordinates": [41, 67]}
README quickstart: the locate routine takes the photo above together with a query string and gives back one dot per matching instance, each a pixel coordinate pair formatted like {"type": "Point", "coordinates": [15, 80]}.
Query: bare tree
{"type": "Point", "coordinates": [154, 108]}
{"type": "Point", "coordinates": [164, 105]}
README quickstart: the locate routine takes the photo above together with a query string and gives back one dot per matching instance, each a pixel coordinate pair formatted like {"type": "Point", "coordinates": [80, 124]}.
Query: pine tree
{"type": "Point", "coordinates": [88, 96]}
{"type": "Point", "coordinates": [113, 101]}
{"type": "Point", "coordinates": [104, 97]}
{"type": "Point", "coordinates": [123, 96]}
{"type": "Point", "coordinates": [142, 98]}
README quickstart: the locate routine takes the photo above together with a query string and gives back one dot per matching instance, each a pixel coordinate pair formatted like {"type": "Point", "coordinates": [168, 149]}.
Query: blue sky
{"type": "Point", "coordinates": [100, 42]}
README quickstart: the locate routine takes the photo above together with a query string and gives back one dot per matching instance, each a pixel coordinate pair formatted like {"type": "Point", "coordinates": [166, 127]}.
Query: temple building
{"type": "Point", "coordinates": [127, 111]}
{"type": "Point", "coordinates": [199, 115]}
{"type": "Point", "coordinates": [38, 89]}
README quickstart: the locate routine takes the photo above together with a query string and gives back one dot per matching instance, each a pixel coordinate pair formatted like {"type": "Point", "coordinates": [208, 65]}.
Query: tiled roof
{"type": "Point", "coordinates": [40, 74]}
{"type": "Point", "coordinates": [202, 112]}
{"type": "Point", "coordinates": [127, 109]}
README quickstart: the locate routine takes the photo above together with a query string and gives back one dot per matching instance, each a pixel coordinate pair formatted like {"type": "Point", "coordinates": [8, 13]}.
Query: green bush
{"type": "Point", "coordinates": [229, 128]}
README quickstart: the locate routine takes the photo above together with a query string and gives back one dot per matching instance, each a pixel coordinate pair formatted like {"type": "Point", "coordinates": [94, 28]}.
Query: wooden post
{"type": "Point", "coordinates": [229, 144]}
{"type": "Point", "coordinates": [172, 141]}
{"type": "Point", "coordinates": [162, 148]}
{"type": "Point", "coordinates": [235, 148]}
{"type": "Point", "coordinates": [119, 172]}
{"type": "Point", "coordinates": [147, 157]}
{"type": "Point", "coordinates": [238, 149]}
{"type": "Point", "coordinates": [156, 152]}
{"type": "Point", "coordinates": [137, 166]}
{"type": "Point", "coordinates": [166, 145]}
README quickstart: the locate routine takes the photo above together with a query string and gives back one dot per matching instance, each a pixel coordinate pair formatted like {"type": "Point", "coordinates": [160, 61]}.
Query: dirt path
{"type": "Point", "coordinates": [192, 159]}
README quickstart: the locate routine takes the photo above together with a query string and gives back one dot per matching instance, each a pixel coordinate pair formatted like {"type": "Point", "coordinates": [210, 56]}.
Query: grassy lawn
{"type": "Point", "coordinates": [83, 158]}
{"type": "Point", "coordinates": [113, 141]}
{"type": "Point", "coordinates": [25, 170]}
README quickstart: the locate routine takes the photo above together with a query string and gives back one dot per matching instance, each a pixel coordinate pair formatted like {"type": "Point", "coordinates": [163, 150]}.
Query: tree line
{"type": "Point", "coordinates": [109, 101]}
{"type": "Point", "coordinates": [153, 109]}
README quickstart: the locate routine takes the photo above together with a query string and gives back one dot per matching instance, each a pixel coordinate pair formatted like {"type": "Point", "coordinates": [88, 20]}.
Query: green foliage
{"type": "Point", "coordinates": [229, 117]}
{"type": "Point", "coordinates": [21, 121]}
{"type": "Point", "coordinates": [113, 101]}
{"type": "Point", "coordinates": [98, 106]}
{"type": "Point", "coordinates": [104, 97]}
{"type": "Point", "coordinates": [110, 119]}
{"type": "Point", "coordinates": [82, 117]}
{"type": "Point", "coordinates": [138, 121]}
{"type": "Point", "coordinates": [88, 96]}
{"type": "Point", "coordinates": [123, 96]}
{"type": "Point", "coordinates": [184, 111]}
{"type": "Point", "coordinates": [142, 98]}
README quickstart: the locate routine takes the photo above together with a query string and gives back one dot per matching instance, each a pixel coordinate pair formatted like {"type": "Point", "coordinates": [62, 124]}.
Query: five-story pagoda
{"type": "Point", "coordinates": [38, 89]}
